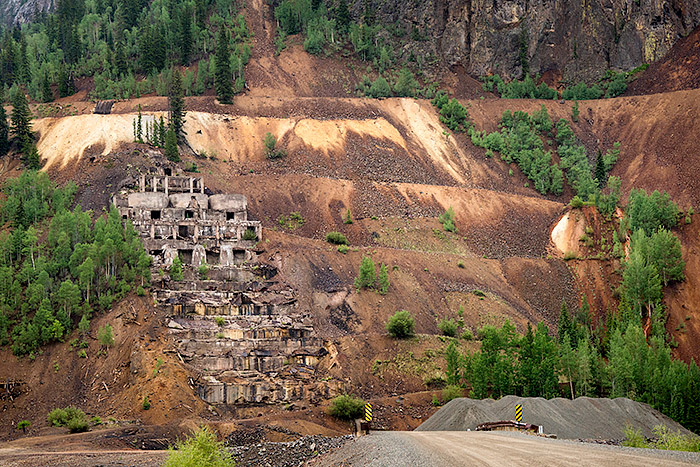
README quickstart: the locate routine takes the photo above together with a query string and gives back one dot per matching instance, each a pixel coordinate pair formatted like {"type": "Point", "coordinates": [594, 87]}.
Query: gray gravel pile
{"type": "Point", "coordinates": [582, 418]}
{"type": "Point", "coordinates": [291, 454]}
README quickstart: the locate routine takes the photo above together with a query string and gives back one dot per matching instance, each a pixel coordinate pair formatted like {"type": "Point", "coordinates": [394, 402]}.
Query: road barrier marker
{"type": "Point", "coordinates": [368, 412]}
{"type": "Point", "coordinates": [518, 412]}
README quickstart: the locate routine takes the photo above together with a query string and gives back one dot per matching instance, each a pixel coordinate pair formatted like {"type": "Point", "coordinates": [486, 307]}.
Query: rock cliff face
{"type": "Point", "coordinates": [578, 39]}
{"type": "Point", "coordinates": [22, 11]}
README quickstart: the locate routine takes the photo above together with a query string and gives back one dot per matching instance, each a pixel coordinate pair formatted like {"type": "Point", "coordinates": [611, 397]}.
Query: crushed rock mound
{"type": "Point", "coordinates": [582, 418]}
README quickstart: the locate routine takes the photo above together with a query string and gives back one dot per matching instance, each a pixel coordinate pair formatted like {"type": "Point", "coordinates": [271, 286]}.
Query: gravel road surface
{"type": "Point", "coordinates": [457, 448]}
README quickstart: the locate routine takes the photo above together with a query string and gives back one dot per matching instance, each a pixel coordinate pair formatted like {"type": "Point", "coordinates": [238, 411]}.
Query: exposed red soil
{"type": "Point", "coordinates": [679, 69]}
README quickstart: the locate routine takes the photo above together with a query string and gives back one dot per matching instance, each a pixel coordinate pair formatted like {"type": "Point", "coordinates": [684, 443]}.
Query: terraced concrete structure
{"type": "Point", "coordinates": [241, 333]}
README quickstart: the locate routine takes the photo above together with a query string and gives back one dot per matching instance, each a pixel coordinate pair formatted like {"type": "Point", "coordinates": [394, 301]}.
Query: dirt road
{"type": "Point", "coordinates": [457, 448]}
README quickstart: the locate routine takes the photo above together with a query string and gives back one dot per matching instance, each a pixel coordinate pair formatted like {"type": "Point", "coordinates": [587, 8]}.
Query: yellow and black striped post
{"type": "Point", "coordinates": [518, 412]}
{"type": "Point", "coordinates": [368, 412]}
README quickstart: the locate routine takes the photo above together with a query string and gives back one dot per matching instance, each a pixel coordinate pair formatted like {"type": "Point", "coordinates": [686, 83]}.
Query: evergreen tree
{"type": "Point", "coordinates": [565, 324]}
{"type": "Point", "coordinates": [224, 86]}
{"type": "Point", "coordinates": [176, 269]}
{"type": "Point", "coordinates": [21, 123]}
{"type": "Point", "coordinates": [186, 41]}
{"type": "Point", "coordinates": [66, 85]}
{"type": "Point", "coordinates": [406, 84]}
{"type": "Point", "coordinates": [171, 151]}
{"type": "Point", "coordinates": [383, 280]}
{"type": "Point", "coordinates": [4, 128]}
{"type": "Point", "coordinates": [120, 64]}
{"type": "Point", "coordinates": [366, 277]}
{"type": "Point", "coordinates": [46, 93]}
{"type": "Point", "coordinates": [342, 16]}
{"type": "Point", "coordinates": [176, 104]}
{"type": "Point", "coordinates": [453, 360]}
{"type": "Point", "coordinates": [600, 170]}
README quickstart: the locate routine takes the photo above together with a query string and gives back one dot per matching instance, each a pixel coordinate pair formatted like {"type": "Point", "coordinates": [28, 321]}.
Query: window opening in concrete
{"type": "Point", "coordinates": [189, 214]}
{"type": "Point", "coordinates": [155, 214]}
{"type": "Point", "coordinates": [230, 216]}
{"type": "Point", "coordinates": [168, 171]}
{"type": "Point", "coordinates": [185, 256]}
{"type": "Point", "coordinates": [182, 231]}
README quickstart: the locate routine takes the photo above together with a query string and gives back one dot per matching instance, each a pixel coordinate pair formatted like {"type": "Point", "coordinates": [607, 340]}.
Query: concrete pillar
{"type": "Point", "coordinates": [199, 256]}
{"type": "Point", "coordinates": [142, 184]}
{"type": "Point", "coordinates": [155, 184]}
{"type": "Point", "coordinates": [196, 233]}
{"type": "Point", "coordinates": [153, 231]}
{"type": "Point", "coordinates": [191, 184]}
{"type": "Point", "coordinates": [166, 184]}
{"type": "Point", "coordinates": [201, 185]}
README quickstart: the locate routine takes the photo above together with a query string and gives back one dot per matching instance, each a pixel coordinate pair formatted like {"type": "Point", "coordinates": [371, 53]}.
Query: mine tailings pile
{"type": "Point", "coordinates": [581, 418]}
{"type": "Point", "coordinates": [240, 332]}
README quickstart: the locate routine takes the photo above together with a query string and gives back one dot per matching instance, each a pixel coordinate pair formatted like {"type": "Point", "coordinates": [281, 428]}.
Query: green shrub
{"type": "Point", "coordinates": [348, 217]}
{"type": "Point", "coordinates": [448, 220]}
{"type": "Point", "coordinates": [383, 280]}
{"type": "Point", "coordinates": [176, 269]}
{"type": "Point", "coordinates": [140, 291]}
{"type": "Point", "coordinates": [78, 425]}
{"type": "Point", "coordinates": [478, 293]}
{"type": "Point", "coordinates": [105, 336]}
{"type": "Point", "coordinates": [70, 417]}
{"type": "Point", "coordinates": [204, 271]}
{"type": "Point", "coordinates": [380, 88]}
{"type": "Point", "coordinates": [366, 277]}
{"type": "Point", "coordinates": [468, 335]}
{"type": "Point", "coordinates": [674, 441]}
{"type": "Point", "coordinates": [569, 255]}
{"type": "Point", "coordinates": [145, 404]}
{"type": "Point", "coordinates": [250, 235]}
{"type": "Point", "coordinates": [451, 392]}
{"type": "Point", "coordinates": [336, 238]}
{"type": "Point", "coordinates": [343, 249]}
{"type": "Point", "coordinates": [401, 325]}
{"type": "Point", "coordinates": [23, 425]}
{"type": "Point", "coordinates": [346, 407]}
{"type": "Point", "coordinates": [200, 449]}
{"type": "Point", "coordinates": [436, 402]}
{"type": "Point", "coordinates": [96, 420]}
{"type": "Point", "coordinates": [448, 327]}
{"type": "Point", "coordinates": [220, 321]}
{"type": "Point", "coordinates": [82, 354]}
{"type": "Point", "coordinates": [576, 202]}
{"type": "Point", "coordinates": [271, 151]}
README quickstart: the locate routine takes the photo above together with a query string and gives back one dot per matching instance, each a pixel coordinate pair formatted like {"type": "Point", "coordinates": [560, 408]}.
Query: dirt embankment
{"type": "Point", "coordinates": [582, 418]}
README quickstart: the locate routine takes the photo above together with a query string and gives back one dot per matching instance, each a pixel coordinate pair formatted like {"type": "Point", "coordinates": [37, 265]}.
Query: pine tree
{"type": "Point", "coordinates": [21, 123]}
{"type": "Point", "coordinates": [342, 16]}
{"type": "Point", "coordinates": [176, 104]}
{"type": "Point", "coordinates": [171, 151]}
{"type": "Point", "coordinates": [224, 86]}
{"type": "Point", "coordinates": [406, 84]}
{"type": "Point", "coordinates": [366, 277]}
{"type": "Point", "coordinates": [600, 170]}
{"type": "Point", "coordinates": [46, 93]}
{"type": "Point", "coordinates": [120, 63]}
{"type": "Point", "coordinates": [185, 36]}
{"type": "Point", "coordinates": [4, 129]}
{"type": "Point", "coordinates": [66, 85]}
{"type": "Point", "coordinates": [176, 269]}
{"type": "Point", "coordinates": [565, 324]}
{"type": "Point", "coordinates": [138, 128]}
{"type": "Point", "coordinates": [383, 280]}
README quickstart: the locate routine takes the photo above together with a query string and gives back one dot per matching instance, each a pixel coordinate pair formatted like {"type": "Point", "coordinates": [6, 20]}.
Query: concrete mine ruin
{"type": "Point", "coordinates": [241, 332]}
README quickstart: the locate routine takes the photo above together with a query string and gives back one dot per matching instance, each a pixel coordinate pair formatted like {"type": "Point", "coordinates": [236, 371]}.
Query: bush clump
{"type": "Point", "coordinates": [401, 325]}
{"type": "Point", "coordinates": [346, 407]}
{"type": "Point", "coordinates": [448, 327]}
{"type": "Point", "coordinates": [451, 392]}
{"type": "Point", "coordinates": [336, 238]}
{"type": "Point", "coordinates": [448, 220]}
{"type": "Point", "coordinates": [201, 449]}
{"type": "Point", "coordinates": [72, 418]}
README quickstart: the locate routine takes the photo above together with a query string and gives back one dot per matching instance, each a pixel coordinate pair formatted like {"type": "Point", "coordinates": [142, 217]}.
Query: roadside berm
{"type": "Point", "coordinates": [582, 418]}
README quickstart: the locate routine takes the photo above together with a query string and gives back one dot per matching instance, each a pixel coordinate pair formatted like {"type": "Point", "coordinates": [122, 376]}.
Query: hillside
{"type": "Point", "coordinates": [271, 338]}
